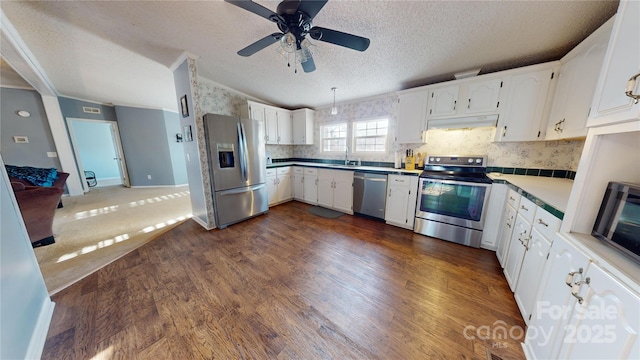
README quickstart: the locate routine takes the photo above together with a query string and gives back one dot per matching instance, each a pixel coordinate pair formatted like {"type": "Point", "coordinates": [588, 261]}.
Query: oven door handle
{"type": "Point", "coordinates": [454, 182]}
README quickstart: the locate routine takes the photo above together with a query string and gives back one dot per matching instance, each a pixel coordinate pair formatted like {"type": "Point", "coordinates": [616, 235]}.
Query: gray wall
{"type": "Point", "coordinates": [23, 294]}
{"type": "Point", "coordinates": [73, 108]}
{"type": "Point", "coordinates": [145, 142]}
{"type": "Point", "coordinates": [176, 149]}
{"type": "Point", "coordinates": [35, 127]}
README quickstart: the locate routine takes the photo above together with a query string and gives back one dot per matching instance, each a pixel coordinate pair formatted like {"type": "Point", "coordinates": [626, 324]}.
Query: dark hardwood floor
{"type": "Point", "coordinates": [290, 285]}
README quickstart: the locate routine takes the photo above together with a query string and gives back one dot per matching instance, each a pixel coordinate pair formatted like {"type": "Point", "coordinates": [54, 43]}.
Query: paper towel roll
{"type": "Point", "coordinates": [398, 162]}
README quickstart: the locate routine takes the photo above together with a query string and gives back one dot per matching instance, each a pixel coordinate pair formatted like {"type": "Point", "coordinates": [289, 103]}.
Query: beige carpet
{"type": "Point", "coordinates": [105, 224]}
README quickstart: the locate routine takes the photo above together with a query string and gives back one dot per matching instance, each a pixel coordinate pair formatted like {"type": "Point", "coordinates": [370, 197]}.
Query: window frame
{"type": "Point", "coordinates": [322, 138]}
{"type": "Point", "coordinates": [353, 136]}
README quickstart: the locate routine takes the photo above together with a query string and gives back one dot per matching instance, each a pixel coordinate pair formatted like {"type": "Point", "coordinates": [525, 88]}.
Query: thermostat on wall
{"type": "Point", "coordinates": [20, 139]}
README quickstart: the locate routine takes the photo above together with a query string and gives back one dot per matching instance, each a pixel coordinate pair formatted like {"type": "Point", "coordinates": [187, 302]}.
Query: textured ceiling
{"type": "Point", "coordinates": [91, 49]}
{"type": "Point", "coordinates": [10, 78]}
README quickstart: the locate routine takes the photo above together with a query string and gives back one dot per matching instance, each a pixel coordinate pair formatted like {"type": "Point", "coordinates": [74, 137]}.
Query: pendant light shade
{"type": "Point", "coordinates": [334, 109]}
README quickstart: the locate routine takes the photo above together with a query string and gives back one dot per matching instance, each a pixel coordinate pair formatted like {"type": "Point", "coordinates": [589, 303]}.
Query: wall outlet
{"type": "Point", "coordinates": [20, 139]}
{"type": "Point", "coordinates": [149, 177]}
{"type": "Point", "coordinates": [52, 154]}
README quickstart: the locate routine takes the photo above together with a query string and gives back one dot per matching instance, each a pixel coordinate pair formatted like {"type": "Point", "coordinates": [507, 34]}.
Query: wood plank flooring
{"type": "Point", "coordinates": [290, 285]}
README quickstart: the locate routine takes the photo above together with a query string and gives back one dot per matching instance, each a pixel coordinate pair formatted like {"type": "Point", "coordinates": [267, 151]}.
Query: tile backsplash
{"type": "Point", "coordinates": [552, 155]}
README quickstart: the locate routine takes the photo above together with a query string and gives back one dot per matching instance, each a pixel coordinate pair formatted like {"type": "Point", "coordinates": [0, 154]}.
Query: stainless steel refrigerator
{"type": "Point", "coordinates": [237, 163]}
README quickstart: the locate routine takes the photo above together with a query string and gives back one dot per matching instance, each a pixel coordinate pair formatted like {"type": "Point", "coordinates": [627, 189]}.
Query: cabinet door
{"type": "Point", "coordinates": [411, 117]}
{"type": "Point", "coordinates": [256, 111]}
{"type": "Point", "coordinates": [311, 188]}
{"type": "Point", "coordinates": [272, 189]}
{"type": "Point", "coordinates": [507, 230]}
{"type": "Point", "coordinates": [298, 184]}
{"type": "Point", "coordinates": [285, 127]}
{"type": "Point", "coordinates": [443, 101]}
{"type": "Point", "coordinates": [302, 126]}
{"type": "Point", "coordinates": [621, 62]}
{"type": "Point", "coordinates": [577, 80]}
{"type": "Point", "coordinates": [555, 302]}
{"type": "Point", "coordinates": [284, 187]}
{"type": "Point", "coordinates": [493, 222]}
{"type": "Point", "coordinates": [607, 323]}
{"type": "Point", "coordinates": [533, 263]}
{"type": "Point", "coordinates": [343, 191]}
{"type": "Point", "coordinates": [519, 239]}
{"type": "Point", "coordinates": [482, 97]}
{"type": "Point", "coordinates": [325, 188]}
{"type": "Point", "coordinates": [521, 117]}
{"type": "Point", "coordinates": [271, 125]}
{"type": "Point", "coordinates": [397, 201]}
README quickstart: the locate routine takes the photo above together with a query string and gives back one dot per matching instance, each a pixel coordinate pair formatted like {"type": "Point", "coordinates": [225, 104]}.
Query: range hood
{"type": "Point", "coordinates": [463, 122]}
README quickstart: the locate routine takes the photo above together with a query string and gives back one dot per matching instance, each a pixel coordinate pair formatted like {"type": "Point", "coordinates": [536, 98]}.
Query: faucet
{"type": "Point", "coordinates": [346, 155]}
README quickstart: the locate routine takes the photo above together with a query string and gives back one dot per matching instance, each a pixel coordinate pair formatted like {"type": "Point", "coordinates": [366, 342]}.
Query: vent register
{"type": "Point", "coordinates": [91, 110]}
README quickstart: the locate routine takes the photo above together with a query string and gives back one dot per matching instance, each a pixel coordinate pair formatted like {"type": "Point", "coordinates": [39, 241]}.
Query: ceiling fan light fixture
{"type": "Point", "coordinates": [288, 42]}
{"type": "Point", "coordinates": [334, 109]}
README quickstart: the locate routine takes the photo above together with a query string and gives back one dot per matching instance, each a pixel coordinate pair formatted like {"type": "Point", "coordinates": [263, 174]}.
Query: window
{"type": "Point", "coordinates": [370, 136]}
{"type": "Point", "coordinates": [333, 137]}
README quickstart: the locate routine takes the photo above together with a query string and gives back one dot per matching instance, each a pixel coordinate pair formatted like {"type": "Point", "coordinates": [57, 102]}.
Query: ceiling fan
{"type": "Point", "coordinates": [294, 19]}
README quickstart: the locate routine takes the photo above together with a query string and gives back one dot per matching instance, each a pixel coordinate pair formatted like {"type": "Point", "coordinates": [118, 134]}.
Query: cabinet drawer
{"type": "Point", "coordinates": [513, 198]}
{"type": "Point", "coordinates": [284, 170]}
{"type": "Point", "coordinates": [271, 172]}
{"type": "Point", "coordinates": [311, 171]}
{"type": "Point", "coordinates": [527, 209]}
{"type": "Point", "coordinates": [298, 170]}
{"type": "Point", "coordinates": [399, 180]}
{"type": "Point", "coordinates": [546, 223]}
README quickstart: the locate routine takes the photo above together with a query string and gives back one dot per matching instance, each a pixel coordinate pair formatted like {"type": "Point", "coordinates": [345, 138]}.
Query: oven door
{"type": "Point", "coordinates": [453, 202]}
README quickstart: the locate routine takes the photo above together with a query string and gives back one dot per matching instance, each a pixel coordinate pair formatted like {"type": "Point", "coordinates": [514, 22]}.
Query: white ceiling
{"type": "Point", "coordinates": [120, 51]}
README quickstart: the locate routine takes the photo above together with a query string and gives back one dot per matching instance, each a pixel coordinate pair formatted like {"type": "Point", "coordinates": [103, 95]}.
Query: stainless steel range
{"type": "Point", "coordinates": [452, 197]}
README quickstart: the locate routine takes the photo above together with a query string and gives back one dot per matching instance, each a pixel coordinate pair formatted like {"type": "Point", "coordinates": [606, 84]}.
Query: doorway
{"type": "Point", "coordinates": [97, 148]}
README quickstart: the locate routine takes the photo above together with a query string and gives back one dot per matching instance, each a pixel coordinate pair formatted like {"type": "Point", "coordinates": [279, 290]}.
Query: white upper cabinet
{"type": "Point", "coordinates": [443, 101]}
{"type": "Point", "coordinates": [412, 116]}
{"type": "Point", "coordinates": [466, 98]}
{"type": "Point", "coordinates": [285, 127]}
{"type": "Point", "coordinates": [303, 126]}
{"type": "Point", "coordinates": [621, 63]}
{"type": "Point", "coordinates": [278, 122]}
{"type": "Point", "coordinates": [526, 103]}
{"type": "Point", "coordinates": [577, 80]}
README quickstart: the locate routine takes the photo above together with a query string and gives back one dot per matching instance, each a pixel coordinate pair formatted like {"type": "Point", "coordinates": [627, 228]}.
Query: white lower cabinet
{"type": "Point", "coordinates": [515, 255]}
{"type": "Point", "coordinates": [279, 185]}
{"type": "Point", "coordinates": [582, 310]}
{"type": "Point", "coordinates": [400, 207]}
{"type": "Point", "coordinates": [335, 190]}
{"type": "Point", "coordinates": [310, 186]}
{"type": "Point", "coordinates": [510, 213]}
{"type": "Point", "coordinates": [529, 278]}
{"type": "Point", "coordinates": [494, 215]}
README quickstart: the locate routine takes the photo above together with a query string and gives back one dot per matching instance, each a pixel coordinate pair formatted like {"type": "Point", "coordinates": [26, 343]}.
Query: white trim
{"type": "Point", "coordinates": [18, 87]}
{"type": "Point", "coordinates": [39, 335]}
{"type": "Point", "coordinates": [87, 100]}
{"type": "Point", "coordinates": [202, 223]}
{"type": "Point", "coordinates": [17, 54]}
{"type": "Point", "coordinates": [181, 58]}
{"type": "Point", "coordinates": [103, 182]}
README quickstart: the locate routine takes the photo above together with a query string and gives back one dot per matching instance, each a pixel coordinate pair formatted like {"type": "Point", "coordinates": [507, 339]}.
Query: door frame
{"type": "Point", "coordinates": [115, 135]}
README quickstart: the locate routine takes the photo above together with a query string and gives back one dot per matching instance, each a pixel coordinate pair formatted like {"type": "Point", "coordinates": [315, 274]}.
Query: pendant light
{"type": "Point", "coordinates": [334, 109]}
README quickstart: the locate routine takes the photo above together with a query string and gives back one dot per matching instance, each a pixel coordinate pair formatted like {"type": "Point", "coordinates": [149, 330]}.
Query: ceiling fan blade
{"type": "Point", "coordinates": [339, 38]}
{"type": "Point", "coordinates": [260, 44]}
{"type": "Point", "coordinates": [311, 7]}
{"type": "Point", "coordinates": [256, 9]}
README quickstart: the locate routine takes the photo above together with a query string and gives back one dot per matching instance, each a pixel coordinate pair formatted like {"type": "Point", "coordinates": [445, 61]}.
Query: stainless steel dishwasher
{"type": "Point", "coordinates": [369, 194]}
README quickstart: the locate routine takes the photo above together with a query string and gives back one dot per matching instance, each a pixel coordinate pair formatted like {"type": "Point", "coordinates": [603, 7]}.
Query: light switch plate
{"type": "Point", "coordinates": [52, 154]}
{"type": "Point", "coordinates": [20, 139]}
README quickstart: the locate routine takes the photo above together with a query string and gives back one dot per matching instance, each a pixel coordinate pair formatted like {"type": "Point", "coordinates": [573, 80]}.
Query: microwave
{"type": "Point", "coordinates": [618, 220]}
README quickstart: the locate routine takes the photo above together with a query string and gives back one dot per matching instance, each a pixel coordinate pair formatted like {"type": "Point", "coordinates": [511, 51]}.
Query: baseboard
{"type": "Point", "coordinates": [202, 223]}
{"type": "Point", "coordinates": [39, 336]}
{"type": "Point", "coordinates": [108, 182]}
{"type": "Point", "coordinates": [157, 186]}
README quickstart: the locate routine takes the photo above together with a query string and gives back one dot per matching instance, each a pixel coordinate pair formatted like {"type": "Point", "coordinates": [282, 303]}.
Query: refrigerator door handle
{"type": "Point", "coordinates": [242, 147]}
{"type": "Point", "coordinates": [241, 190]}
